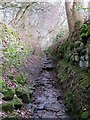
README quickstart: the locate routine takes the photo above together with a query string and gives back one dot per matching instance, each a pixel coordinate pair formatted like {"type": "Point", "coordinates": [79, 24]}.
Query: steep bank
{"type": "Point", "coordinates": [73, 66]}
{"type": "Point", "coordinates": [14, 90]}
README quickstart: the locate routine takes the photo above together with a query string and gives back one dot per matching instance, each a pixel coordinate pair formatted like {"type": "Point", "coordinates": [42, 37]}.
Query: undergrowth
{"type": "Point", "coordinates": [75, 81]}
{"type": "Point", "coordinates": [14, 89]}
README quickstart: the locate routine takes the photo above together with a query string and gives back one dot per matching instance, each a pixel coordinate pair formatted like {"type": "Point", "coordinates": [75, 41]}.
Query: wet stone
{"type": "Point", "coordinates": [31, 92]}
{"type": "Point", "coordinates": [49, 115]}
{"type": "Point", "coordinates": [46, 75]}
{"type": "Point", "coordinates": [40, 107]}
{"type": "Point", "coordinates": [47, 98]}
{"type": "Point", "coordinates": [53, 106]}
{"type": "Point", "coordinates": [32, 88]}
{"type": "Point", "coordinates": [64, 117]}
{"type": "Point", "coordinates": [51, 100]}
{"type": "Point", "coordinates": [47, 62]}
{"type": "Point", "coordinates": [39, 113]}
{"type": "Point", "coordinates": [61, 113]}
{"type": "Point", "coordinates": [59, 97]}
{"type": "Point", "coordinates": [32, 107]}
{"type": "Point", "coordinates": [48, 67]}
{"type": "Point", "coordinates": [41, 99]}
{"type": "Point", "coordinates": [48, 85]}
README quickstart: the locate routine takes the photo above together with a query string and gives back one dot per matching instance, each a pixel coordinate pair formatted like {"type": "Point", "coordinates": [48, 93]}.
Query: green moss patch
{"type": "Point", "coordinates": [11, 118]}
{"type": "Point", "coordinates": [17, 102]}
{"type": "Point", "coordinates": [21, 79]}
{"type": "Point", "coordinates": [76, 85]}
{"type": "Point", "coordinates": [7, 106]}
{"type": "Point", "coordinates": [8, 93]}
{"type": "Point", "coordinates": [23, 93]}
{"type": "Point", "coordinates": [2, 84]}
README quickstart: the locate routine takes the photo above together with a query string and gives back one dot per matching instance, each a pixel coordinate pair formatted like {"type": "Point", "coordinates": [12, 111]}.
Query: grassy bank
{"type": "Point", "coordinates": [14, 89]}
{"type": "Point", "coordinates": [73, 71]}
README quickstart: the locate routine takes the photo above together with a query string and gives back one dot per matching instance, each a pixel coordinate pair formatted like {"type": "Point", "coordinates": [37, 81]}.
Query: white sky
{"type": "Point", "coordinates": [51, 1]}
{"type": "Point", "coordinates": [85, 1]}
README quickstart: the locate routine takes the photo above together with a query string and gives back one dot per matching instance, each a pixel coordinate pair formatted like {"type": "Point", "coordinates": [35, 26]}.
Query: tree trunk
{"type": "Point", "coordinates": [89, 10]}
{"type": "Point", "coordinates": [69, 16]}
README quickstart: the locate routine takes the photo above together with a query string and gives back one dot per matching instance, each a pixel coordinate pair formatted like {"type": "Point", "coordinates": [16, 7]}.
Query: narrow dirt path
{"type": "Point", "coordinates": [47, 98]}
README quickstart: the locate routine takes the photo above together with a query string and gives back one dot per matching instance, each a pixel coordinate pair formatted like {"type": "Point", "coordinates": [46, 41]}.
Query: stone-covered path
{"type": "Point", "coordinates": [47, 98]}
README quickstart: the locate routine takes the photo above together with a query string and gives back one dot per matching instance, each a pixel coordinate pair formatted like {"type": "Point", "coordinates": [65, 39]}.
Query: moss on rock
{"type": "Point", "coordinates": [7, 106]}
{"type": "Point", "coordinates": [8, 93]}
{"type": "Point", "coordinates": [25, 94]}
{"type": "Point", "coordinates": [25, 97]}
{"type": "Point", "coordinates": [21, 79]}
{"type": "Point", "coordinates": [17, 102]}
{"type": "Point", "coordinates": [85, 115]}
{"type": "Point", "coordinates": [19, 90]}
{"type": "Point", "coordinates": [11, 118]}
